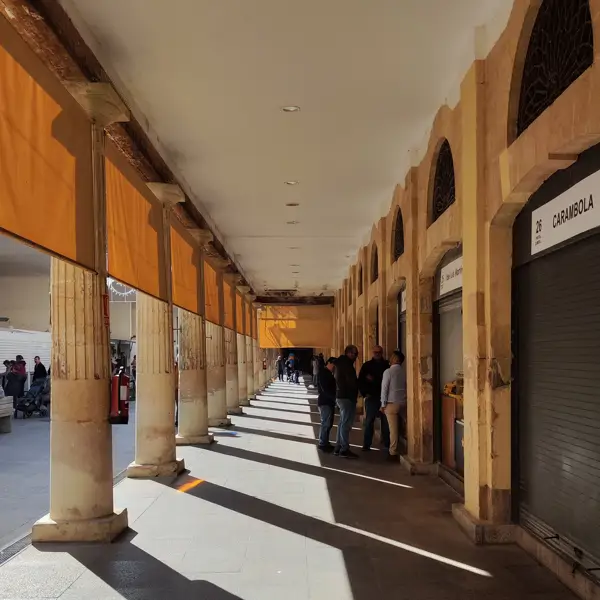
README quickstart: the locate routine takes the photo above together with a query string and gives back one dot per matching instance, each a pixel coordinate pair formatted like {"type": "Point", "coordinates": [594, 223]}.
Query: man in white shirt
{"type": "Point", "coordinates": [393, 398]}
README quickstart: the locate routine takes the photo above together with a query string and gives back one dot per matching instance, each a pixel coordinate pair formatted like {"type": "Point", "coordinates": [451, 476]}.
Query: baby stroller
{"type": "Point", "coordinates": [33, 401]}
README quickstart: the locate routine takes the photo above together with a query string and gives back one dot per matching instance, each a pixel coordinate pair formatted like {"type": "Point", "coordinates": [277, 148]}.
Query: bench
{"type": "Point", "coordinates": [6, 412]}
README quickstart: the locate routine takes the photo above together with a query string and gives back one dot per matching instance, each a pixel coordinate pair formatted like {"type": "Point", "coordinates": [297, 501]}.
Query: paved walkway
{"type": "Point", "coordinates": [25, 471]}
{"type": "Point", "coordinates": [263, 516]}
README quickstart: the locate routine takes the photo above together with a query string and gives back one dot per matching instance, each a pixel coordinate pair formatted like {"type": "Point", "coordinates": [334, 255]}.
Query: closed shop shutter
{"type": "Point", "coordinates": [557, 394]}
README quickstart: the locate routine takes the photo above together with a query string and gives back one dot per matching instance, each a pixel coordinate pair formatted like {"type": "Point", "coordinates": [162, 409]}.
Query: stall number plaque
{"type": "Point", "coordinates": [574, 212]}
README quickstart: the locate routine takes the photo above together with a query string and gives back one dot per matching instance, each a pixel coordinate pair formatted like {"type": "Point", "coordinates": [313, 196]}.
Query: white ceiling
{"type": "Point", "coordinates": [207, 78]}
{"type": "Point", "coordinates": [19, 260]}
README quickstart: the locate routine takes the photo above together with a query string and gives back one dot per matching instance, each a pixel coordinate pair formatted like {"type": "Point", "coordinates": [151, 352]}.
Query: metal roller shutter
{"type": "Point", "coordinates": [557, 396]}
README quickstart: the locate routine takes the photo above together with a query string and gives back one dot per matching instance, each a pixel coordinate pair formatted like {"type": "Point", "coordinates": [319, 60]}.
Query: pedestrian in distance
{"type": "Point", "coordinates": [394, 399]}
{"type": "Point", "coordinates": [346, 394]}
{"type": "Point", "coordinates": [369, 384]}
{"type": "Point", "coordinates": [326, 403]}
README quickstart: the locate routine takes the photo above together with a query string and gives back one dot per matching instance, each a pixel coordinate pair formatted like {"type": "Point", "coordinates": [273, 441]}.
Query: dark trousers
{"type": "Point", "coordinates": [280, 375]}
{"type": "Point", "coordinates": [372, 412]}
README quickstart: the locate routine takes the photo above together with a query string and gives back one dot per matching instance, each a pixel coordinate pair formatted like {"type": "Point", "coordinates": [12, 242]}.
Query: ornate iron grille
{"type": "Point", "coordinates": [560, 49]}
{"type": "Point", "coordinates": [374, 265]}
{"type": "Point", "coordinates": [360, 280]}
{"type": "Point", "coordinates": [444, 188]}
{"type": "Point", "coordinates": [398, 249]}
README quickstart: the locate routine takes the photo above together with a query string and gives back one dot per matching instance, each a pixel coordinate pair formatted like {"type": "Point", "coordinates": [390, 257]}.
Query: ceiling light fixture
{"type": "Point", "coordinates": [293, 204]}
{"type": "Point", "coordinates": [295, 272]}
{"type": "Point", "coordinates": [290, 109]}
{"type": "Point", "coordinates": [292, 182]}
{"type": "Point", "coordinates": [294, 265]}
{"type": "Point", "coordinates": [294, 247]}
{"type": "Point", "coordinates": [293, 222]}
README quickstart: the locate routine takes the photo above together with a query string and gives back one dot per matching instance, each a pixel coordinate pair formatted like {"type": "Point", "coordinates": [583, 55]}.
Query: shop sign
{"type": "Point", "coordinates": [451, 276]}
{"type": "Point", "coordinates": [403, 301]}
{"type": "Point", "coordinates": [573, 212]}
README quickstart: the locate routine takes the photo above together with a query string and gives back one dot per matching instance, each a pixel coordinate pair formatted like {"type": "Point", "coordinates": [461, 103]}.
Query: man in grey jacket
{"type": "Point", "coordinates": [346, 394]}
{"type": "Point", "coordinates": [393, 398]}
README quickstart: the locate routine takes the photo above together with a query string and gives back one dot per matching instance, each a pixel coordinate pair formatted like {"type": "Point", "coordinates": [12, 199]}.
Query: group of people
{"type": "Point", "coordinates": [289, 367]}
{"type": "Point", "coordinates": [15, 376]}
{"type": "Point", "coordinates": [383, 386]}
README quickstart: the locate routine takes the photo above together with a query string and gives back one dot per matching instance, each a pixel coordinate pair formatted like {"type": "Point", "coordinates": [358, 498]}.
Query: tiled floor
{"type": "Point", "coordinates": [262, 515]}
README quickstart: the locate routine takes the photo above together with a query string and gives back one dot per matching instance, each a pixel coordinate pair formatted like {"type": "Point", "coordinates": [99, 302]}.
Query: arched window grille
{"type": "Point", "coordinates": [374, 265]}
{"type": "Point", "coordinates": [560, 49]}
{"type": "Point", "coordinates": [398, 241]}
{"type": "Point", "coordinates": [360, 280]}
{"type": "Point", "coordinates": [444, 187]}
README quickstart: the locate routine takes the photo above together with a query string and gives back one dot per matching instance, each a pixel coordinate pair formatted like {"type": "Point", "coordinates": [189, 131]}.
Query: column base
{"type": "Point", "coordinates": [235, 411]}
{"type": "Point", "coordinates": [219, 422]}
{"type": "Point", "coordinates": [483, 532]}
{"type": "Point", "coordinates": [245, 402]}
{"type": "Point", "coordinates": [102, 529]}
{"type": "Point", "coordinates": [136, 471]}
{"type": "Point", "coordinates": [188, 440]}
{"type": "Point", "coordinates": [418, 468]}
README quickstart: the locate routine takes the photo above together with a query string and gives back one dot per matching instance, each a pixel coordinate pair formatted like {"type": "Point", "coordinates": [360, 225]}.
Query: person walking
{"type": "Point", "coordinates": [394, 400]}
{"type": "Point", "coordinates": [369, 384]}
{"type": "Point", "coordinates": [346, 394]}
{"type": "Point", "coordinates": [326, 403]}
{"type": "Point", "coordinates": [280, 367]}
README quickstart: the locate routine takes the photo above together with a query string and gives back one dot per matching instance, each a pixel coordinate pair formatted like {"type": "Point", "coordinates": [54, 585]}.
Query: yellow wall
{"type": "Point", "coordinates": [296, 327]}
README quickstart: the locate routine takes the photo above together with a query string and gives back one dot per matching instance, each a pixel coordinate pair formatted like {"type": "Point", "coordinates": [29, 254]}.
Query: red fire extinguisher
{"type": "Point", "coordinates": [264, 364]}
{"type": "Point", "coordinates": [119, 398]}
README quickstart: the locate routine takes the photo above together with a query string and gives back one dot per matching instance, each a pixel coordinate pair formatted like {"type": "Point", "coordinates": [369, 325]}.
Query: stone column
{"type": "Point", "coordinates": [250, 369]}
{"type": "Point", "coordinates": [216, 376]}
{"type": "Point", "coordinates": [242, 370]}
{"type": "Point", "coordinates": [215, 354]}
{"type": "Point", "coordinates": [193, 399]}
{"type": "Point", "coordinates": [233, 392]}
{"type": "Point", "coordinates": [81, 478]}
{"type": "Point", "coordinates": [156, 389]}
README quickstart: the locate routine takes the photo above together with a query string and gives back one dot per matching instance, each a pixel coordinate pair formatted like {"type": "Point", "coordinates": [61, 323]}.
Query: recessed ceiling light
{"type": "Point", "coordinates": [294, 265]}
{"type": "Point", "coordinates": [292, 182]}
{"type": "Point", "coordinates": [293, 204]}
{"type": "Point", "coordinates": [294, 247]}
{"type": "Point", "coordinates": [295, 272]}
{"type": "Point", "coordinates": [290, 109]}
{"type": "Point", "coordinates": [293, 222]}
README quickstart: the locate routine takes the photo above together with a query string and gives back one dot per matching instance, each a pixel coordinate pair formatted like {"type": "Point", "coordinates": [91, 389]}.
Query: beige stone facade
{"type": "Point", "coordinates": [495, 174]}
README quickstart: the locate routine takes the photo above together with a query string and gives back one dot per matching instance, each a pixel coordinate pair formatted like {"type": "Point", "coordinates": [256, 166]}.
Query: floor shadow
{"type": "Point", "coordinates": [283, 410]}
{"type": "Point", "coordinates": [281, 402]}
{"type": "Point", "coordinates": [278, 420]}
{"type": "Point", "coordinates": [377, 565]}
{"type": "Point", "coordinates": [134, 573]}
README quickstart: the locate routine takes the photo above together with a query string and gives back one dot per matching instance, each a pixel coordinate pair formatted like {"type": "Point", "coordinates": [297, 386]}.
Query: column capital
{"type": "Point", "coordinates": [244, 289]}
{"type": "Point", "coordinates": [202, 236]}
{"type": "Point", "coordinates": [168, 194]}
{"type": "Point", "coordinates": [234, 279]}
{"type": "Point", "coordinates": [218, 262]}
{"type": "Point", "coordinates": [100, 102]}
{"type": "Point", "coordinates": [256, 305]}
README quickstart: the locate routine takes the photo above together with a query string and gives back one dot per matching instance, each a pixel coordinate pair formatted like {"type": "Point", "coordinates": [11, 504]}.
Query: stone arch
{"type": "Point", "coordinates": [555, 47]}
{"type": "Point", "coordinates": [360, 281]}
{"type": "Point", "coordinates": [391, 307]}
{"type": "Point", "coordinates": [397, 248]}
{"type": "Point", "coordinates": [442, 191]}
{"type": "Point", "coordinates": [374, 271]}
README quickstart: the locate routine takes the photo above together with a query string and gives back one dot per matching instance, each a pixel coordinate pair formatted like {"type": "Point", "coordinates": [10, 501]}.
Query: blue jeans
{"type": "Point", "coordinates": [347, 414]}
{"type": "Point", "coordinates": [327, 413]}
{"type": "Point", "coordinates": [372, 412]}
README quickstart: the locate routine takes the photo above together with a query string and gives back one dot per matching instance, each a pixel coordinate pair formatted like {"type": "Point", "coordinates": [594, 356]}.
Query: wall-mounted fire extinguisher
{"type": "Point", "coordinates": [119, 398]}
{"type": "Point", "coordinates": [264, 364]}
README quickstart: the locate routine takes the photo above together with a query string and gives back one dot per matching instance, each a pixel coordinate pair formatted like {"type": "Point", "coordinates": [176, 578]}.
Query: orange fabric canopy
{"type": "Point", "coordinates": [211, 295]}
{"type": "Point", "coordinates": [45, 157]}
{"type": "Point", "coordinates": [239, 313]}
{"type": "Point", "coordinates": [228, 304]}
{"type": "Point", "coordinates": [185, 270]}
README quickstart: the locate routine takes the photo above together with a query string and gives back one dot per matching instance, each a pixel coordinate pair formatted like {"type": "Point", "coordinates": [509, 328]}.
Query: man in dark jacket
{"type": "Point", "coordinates": [346, 394]}
{"type": "Point", "coordinates": [326, 403]}
{"type": "Point", "coordinates": [369, 384]}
